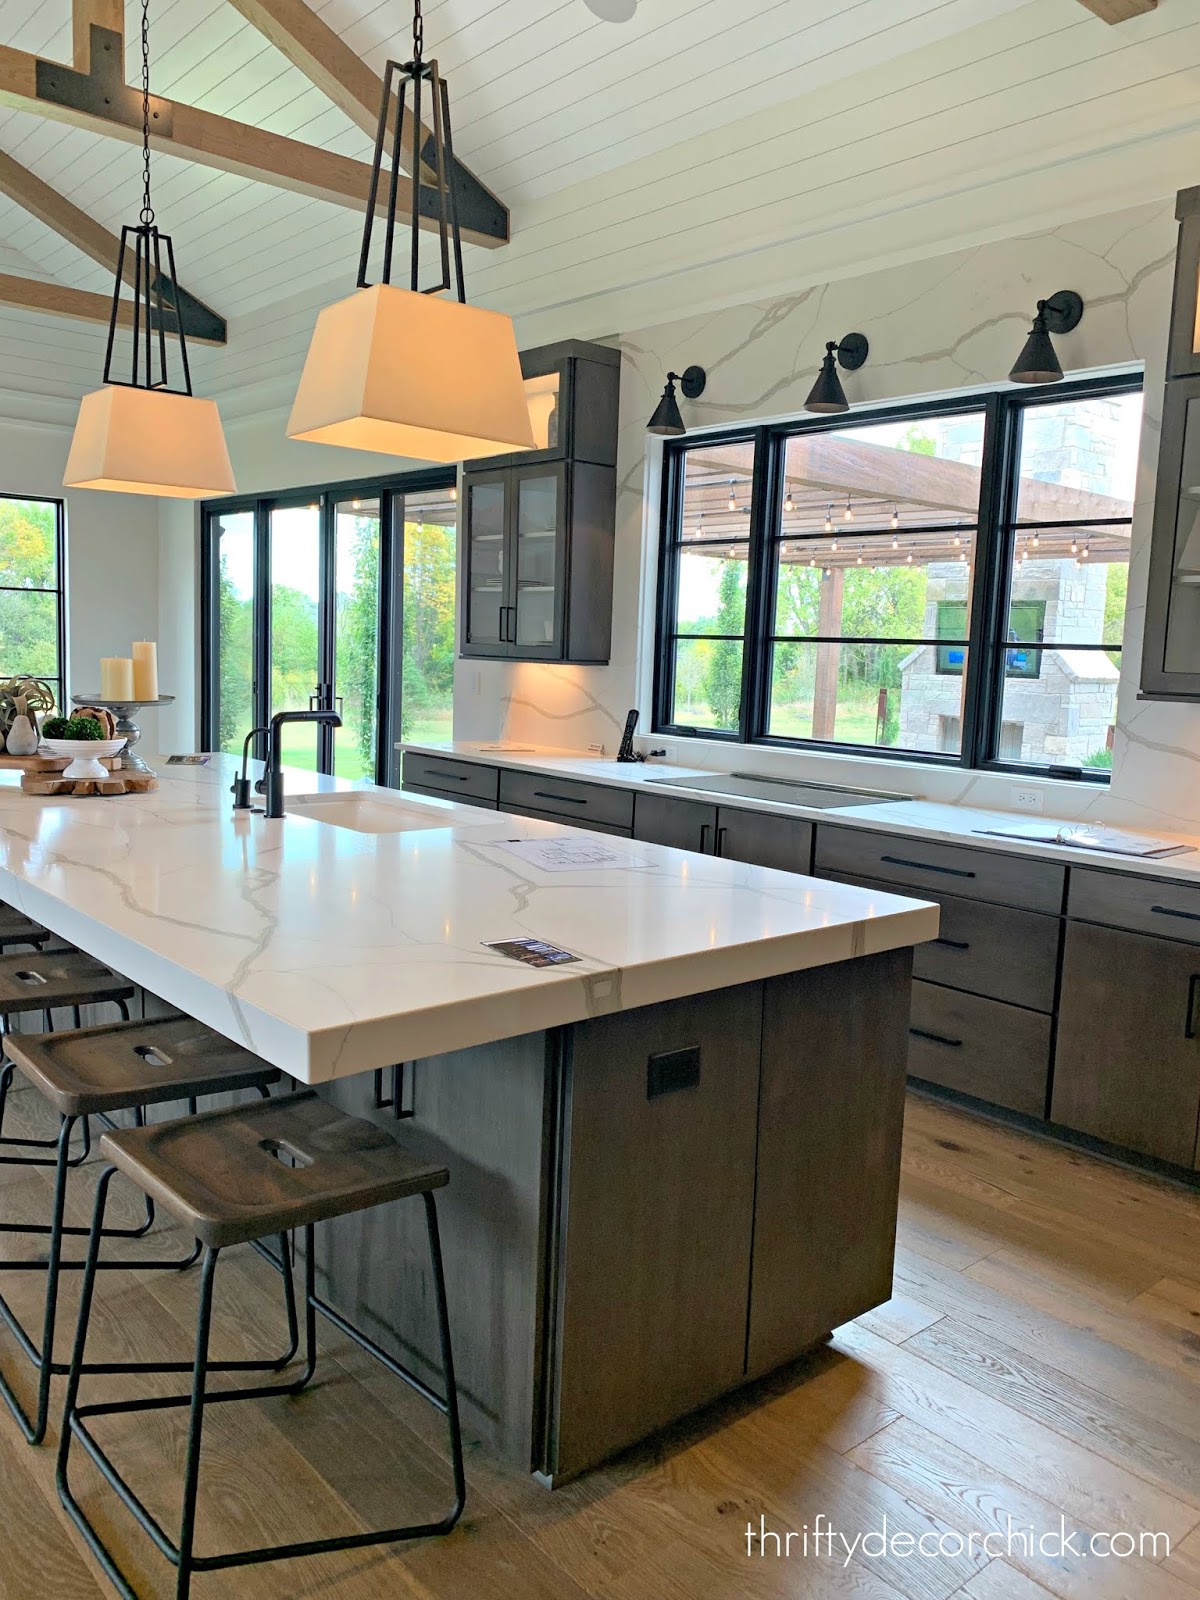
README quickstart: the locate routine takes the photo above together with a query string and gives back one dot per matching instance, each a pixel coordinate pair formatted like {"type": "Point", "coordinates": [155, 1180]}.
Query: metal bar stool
{"type": "Point", "coordinates": [232, 1177]}
{"type": "Point", "coordinates": [93, 1072]}
{"type": "Point", "coordinates": [45, 981]}
{"type": "Point", "coordinates": [18, 929]}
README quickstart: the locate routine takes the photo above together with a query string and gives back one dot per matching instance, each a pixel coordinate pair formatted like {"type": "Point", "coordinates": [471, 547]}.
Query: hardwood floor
{"type": "Point", "coordinates": [1040, 1361]}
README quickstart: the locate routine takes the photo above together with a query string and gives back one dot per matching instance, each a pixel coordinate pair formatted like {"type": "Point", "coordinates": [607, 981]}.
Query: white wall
{"type": "Point", "coordinates": [112, 556]}
{"type": "Point", "coordinates": [945, 325]}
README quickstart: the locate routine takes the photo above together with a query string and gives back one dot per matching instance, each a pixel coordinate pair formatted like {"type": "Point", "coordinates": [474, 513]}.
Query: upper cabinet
{"type": "Point", "coordinates": [1171, 654]}
{"type": "Point", "coordinates": [539, 527]}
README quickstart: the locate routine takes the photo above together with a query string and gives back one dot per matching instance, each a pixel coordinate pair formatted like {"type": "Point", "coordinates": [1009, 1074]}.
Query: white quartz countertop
{"type": "Point", "coordinates": [331, 951]}
{"type": "Point", "coordinates": [918, 819]}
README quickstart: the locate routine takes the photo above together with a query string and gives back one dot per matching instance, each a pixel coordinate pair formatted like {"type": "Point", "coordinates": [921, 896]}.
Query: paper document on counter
{"type": "Point", "coordinates": [1081, 837]}
{"type": "Point", "coordinates": [567, 855]}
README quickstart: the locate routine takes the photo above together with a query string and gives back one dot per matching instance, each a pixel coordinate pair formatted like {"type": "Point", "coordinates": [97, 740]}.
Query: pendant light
{"type": "Point", "coordinates": [141, 435]}
{"type": "Point", "coordinates": [405, 371]}
{"type": "Point", "coordinates": [1038, 361]}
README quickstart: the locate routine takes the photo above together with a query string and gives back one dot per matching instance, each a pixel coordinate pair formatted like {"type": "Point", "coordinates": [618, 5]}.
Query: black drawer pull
{"type": "Point", "coordinates": [1189, 1022]}
{"type": "Point", "coordinates": [672, 1070]}
{"type": "Point", "coordinates": [924, 866]}
{"type": "Point", "coordinates": [455, 777]}
{"type": "Point", "coordinates": [564, 799]}
{"type": "Point", "coordinates": [1170, 911]}
{"type": "Point", "coordinates": [953, 944]}
{"type": "Point", "coordinates": [936, 1038]}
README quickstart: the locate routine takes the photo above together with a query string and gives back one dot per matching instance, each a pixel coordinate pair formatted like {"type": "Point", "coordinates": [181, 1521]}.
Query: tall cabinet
{"type": "Point", "coordinates": [539, 527]}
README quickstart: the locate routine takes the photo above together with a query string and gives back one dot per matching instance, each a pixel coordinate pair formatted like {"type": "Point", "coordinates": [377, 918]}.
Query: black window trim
{"type": "Point", "coordinates": [391, 491]}
{"type": "Point", "coordinates": [997, 521]}
{"type": "Point", "coordinates": [58, 590]}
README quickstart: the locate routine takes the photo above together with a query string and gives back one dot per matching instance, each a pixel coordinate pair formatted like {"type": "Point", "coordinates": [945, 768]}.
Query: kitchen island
{"type": "Point", "coordinates": [674, 1159]}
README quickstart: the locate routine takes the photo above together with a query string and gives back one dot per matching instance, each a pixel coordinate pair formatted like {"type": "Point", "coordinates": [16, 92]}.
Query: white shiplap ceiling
{"type": "Point", "coordinates": [704, 152]}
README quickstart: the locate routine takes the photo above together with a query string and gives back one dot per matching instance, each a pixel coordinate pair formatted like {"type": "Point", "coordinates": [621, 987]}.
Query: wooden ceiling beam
{"type": "Point", "coordinates": [57, 300]}
{"type": "Point", "coordinates": [1113, 11]}
{"type": "Point", "coordinates": [88, 236]}
{"type": "Point", "coordinates": [105, 104]}
{"type": "Point", "coordinates": [107, 14]}
{"type": "Point", "coordinates": [327, 61]}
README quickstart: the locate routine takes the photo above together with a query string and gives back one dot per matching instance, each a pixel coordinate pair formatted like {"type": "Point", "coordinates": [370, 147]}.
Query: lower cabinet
{"type": "Point", "coordinates": [979, 1047]}
{"type": "Point", "coordinates": [1127, 1067]}
{"type": "Point", "coordinates": [683, 824]}
{"type": "Point", "coordinates": [760, 838]}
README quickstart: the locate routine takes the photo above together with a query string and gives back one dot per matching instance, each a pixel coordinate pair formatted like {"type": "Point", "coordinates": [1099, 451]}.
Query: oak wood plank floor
{"type": "Point", "coordinates": [1040, 1361]}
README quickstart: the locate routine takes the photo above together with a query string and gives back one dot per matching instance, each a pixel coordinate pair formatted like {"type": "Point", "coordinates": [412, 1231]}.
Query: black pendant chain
{"type": "Point", "coordinates": [147, 209]}
{"type": "Point", "coordinates": [418, 34]}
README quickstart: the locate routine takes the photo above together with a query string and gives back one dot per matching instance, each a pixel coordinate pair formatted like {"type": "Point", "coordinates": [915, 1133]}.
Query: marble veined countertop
{"type": "Point", "coordinates": [917, 819]}
{"type": "Point", "coordinates": [331, 951]}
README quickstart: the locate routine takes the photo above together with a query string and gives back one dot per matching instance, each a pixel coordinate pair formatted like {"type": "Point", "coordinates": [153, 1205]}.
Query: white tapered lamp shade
{"type": "Point", "coordinates": [149, 441]}
{"type": "Point", "coordinates": [407, 374]}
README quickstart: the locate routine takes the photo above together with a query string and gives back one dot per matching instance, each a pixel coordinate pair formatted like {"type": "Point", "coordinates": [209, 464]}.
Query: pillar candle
{"type": "Point", "coordinates": [116, 678]}
{"type": "Point", "coordinates": [145, 669]}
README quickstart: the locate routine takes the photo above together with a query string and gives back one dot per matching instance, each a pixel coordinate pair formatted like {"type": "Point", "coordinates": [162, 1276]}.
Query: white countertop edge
{"type": "Point", "coordinates": [939, 821]}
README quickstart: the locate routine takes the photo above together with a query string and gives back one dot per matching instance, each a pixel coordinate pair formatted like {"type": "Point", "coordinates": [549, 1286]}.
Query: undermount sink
{"type": "Point", "coordinates": [363, 813]}
{"type": "Point", "coordinates": [787, 791]}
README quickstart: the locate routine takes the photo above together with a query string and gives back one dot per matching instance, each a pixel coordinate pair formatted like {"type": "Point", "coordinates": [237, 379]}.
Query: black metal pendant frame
{"type": "Point", "coordinates": [153, 314]}
{"type": "Point", "coordinates": [419, 76]}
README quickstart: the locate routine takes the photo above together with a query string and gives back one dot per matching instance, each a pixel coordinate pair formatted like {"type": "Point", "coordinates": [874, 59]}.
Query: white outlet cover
{"type": "Point", "coordinates": [1028, 799]}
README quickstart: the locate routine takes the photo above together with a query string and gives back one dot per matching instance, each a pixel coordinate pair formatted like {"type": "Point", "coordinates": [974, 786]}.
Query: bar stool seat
{"type": "Point", "coordinates": [93, 1072]}
{"type": "Point", "coordinates": [45, 980]}
{"type": "Point", "coordinates": [17, 928]}
{"type": "Point", "coordinates": [233, 1177]}
{"type": "Point", "coordinates": [237, 1175]}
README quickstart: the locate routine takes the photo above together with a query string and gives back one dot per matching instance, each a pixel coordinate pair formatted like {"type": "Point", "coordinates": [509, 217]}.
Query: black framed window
{"type": "Point", "coordinates": [938, 582]}
{"type": "Point", "coordinates": [32, 637]}
{"type": "Point", "coordinates": [340, 597]}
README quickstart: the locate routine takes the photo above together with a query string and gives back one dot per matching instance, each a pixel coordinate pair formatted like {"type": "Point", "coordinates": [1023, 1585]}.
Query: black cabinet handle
{"type": "Point", "coordinates": [1170, 911]}
{"type": "Point", "coordinates": [1189, 1022]}
{"type": "Point", "coordinates": [705, 828]}
{"type": "Point", "coordinates": [953, 944]}
{"type": "Point", "coordinates": [453, 777]}
{"type": "Point", "coordinates": [936, 1038]}
{"type": "Point", "coordinates": [564, 799]}
{"type": "Point", "coordinates": [924, 866]}
{"type": "Point", "coordinates": [722, 835]}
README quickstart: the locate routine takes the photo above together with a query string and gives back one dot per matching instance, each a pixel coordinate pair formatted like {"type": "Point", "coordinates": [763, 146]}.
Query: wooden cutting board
{"type": "Point", "coordinates": [49, 763]}
{"type": "Point", "coordinates": [47, 783]}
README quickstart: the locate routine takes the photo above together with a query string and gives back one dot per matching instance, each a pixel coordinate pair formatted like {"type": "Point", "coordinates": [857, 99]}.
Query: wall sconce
{"type": "Point", "coordinates": [1038, 361]}
{"type": "Point", "coordinates": [667, 420]}
{"type": "Point", "coordinates": [827, 393]}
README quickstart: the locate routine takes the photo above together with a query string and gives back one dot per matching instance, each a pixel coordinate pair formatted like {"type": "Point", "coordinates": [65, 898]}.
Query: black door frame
{"type": "Point", "coordinates": [391, 492]}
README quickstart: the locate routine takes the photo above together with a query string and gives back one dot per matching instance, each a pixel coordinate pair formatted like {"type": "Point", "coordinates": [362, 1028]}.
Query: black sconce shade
{"type": "Point", "coordinates": [827, 394]}
{"type": "Point", "coordinates": [667, 419]}
{"type": "Point", "coordinates": [1038, 361]}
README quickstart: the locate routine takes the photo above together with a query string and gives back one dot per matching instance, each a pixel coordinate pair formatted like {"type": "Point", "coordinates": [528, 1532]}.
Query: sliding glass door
{"type": "Point", "coordinates": [341, 599]}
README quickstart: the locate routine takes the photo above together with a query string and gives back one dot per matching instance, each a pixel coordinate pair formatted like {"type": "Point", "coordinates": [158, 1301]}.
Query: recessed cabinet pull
{"type": "Point", "coordinates": [722, 835]}
{"type": "Point", "coordinates": [925, 866]}
{"type": "Point", "coordinates": [936, 1038]}
{"type": "Point", "coordinates": [564, 799]}
{"type": "Point", "coordinates": [704, 832]}
{"type": "Point", "coordinates": [457, 777]}
{"type": "Point", "coordinates": [1170, 911]}
{"type": "Point", "coordinates": [1189, 1022]}
{"type": "Point", "coordinates": [953, 944]}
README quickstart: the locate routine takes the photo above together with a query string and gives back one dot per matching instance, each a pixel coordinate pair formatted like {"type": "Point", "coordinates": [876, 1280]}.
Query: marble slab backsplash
{"type": "Point", "coordinates": [946, 325]}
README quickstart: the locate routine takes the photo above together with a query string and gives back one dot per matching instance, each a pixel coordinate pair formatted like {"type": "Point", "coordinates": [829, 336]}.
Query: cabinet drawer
{"type": "Point", "coordinates": [443, 794]}
{"type": "Point", "coordinates": [567, 799]}
{"type": "Point", "coordinates": [987, 950]}
{"type": "Point", "coordinates": [980, 1047]}
{"type": "Point", "coordinates": [444, 775]}
{"type": "Point", "coordinates": [682, 824]}
{"type": "Point", "coordinates": [1144, 905]}
{"type": "Point", "coordinates": [764, 840]}
{"type": "Point", "coordinates": [974, 874]}
{"type": "Point", "coordinates": [555, 816]}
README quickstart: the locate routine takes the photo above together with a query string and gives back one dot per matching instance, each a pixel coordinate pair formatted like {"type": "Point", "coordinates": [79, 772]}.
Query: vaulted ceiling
{"type": "Point", "coordinates": [662, 166]}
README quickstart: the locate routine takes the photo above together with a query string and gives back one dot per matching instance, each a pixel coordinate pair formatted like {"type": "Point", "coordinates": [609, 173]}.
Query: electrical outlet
{"type": "Point", "coordinates": [668, 752]}
{"type": "Point", "coordinates": [1027, 799]}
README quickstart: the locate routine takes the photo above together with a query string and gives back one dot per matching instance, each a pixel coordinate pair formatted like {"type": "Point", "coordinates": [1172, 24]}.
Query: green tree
{"type": "Point", "coordinates": [28, 622]}
{"type": "Point", "coordinates": [725, 666]}
{"type": "Point", "coordinates": [358, 642]}
{"type": "Point", "coordinates": [236, 623]}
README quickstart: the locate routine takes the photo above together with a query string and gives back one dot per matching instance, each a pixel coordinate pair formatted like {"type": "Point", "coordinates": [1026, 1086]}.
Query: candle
{"type": "Point", "coordinates": [116, 678]}
{"type": "Point", "coordinates": [145, 669]}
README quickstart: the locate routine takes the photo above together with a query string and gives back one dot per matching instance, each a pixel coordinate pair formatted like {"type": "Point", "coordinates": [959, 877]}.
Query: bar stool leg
{"type": "Point", "coordinates": [191, 1471]}
{"type": "Point", "coordinates": [35, 1429]}
{"type": "Point", "coordinates": [452, 1418]}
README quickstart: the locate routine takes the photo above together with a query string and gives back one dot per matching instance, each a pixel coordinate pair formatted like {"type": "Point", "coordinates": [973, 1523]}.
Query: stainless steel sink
{"type": "Point", "coordinates": [787, 791]}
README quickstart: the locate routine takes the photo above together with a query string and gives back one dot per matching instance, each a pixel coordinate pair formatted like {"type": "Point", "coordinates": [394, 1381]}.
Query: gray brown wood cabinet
{"type": "Point", "coordinates": [1069, 996]}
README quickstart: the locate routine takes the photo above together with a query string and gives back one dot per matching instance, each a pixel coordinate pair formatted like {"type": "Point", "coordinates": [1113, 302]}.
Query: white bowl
{"type": "Point", "coordinates": [84, 755]}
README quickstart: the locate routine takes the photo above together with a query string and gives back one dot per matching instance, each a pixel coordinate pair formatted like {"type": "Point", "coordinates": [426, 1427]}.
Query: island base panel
{"type": "Point", "coordinates": [645, 1210]}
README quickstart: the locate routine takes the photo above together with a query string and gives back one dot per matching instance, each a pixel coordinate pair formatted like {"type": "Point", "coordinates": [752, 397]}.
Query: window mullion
{"type": "Point", "coordinates": [756, 647]}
